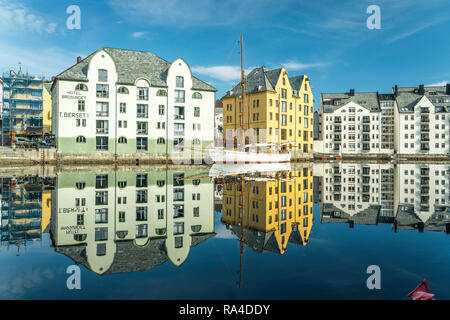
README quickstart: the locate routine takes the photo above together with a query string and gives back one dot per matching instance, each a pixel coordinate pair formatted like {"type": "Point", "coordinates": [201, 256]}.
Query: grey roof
{"type": "Point", "coordinates": [262, 79]}
{"type": "Point", "coordinates": [130, 65]}
{"type": "Point", "coordinates": [367, 100]}
{"type": "Point", "coordinates": [368, 216]}
{"type": "Point", "coordinates": [48, 85]}
{"type": "Point", "coordinates": [408, 97]}
{"type": "Point", "coordinates": [258, 241]}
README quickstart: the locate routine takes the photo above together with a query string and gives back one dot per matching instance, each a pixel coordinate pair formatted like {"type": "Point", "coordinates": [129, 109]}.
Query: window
{"type": "Point", "coordinates": [179, 113]}
{"type": "Point", "coordinates": [121, 216]}
{"type": "Point", "coordinates": [283, 92]}
{"type": "Point", "coordinates": [101, 181]}
{"type": "Point", "coordinates": [81, 105]}
{"type": "Point", "coordinates": [81, 139]}
{"type": "Point", "coordinates": [141, 213]}
{"type": "Point", "coordinates": [102, 109]}
{"type": "Point", "coordinates": [141, 127]}
{"type": "Point", "coordinates": [196, 142]}
{"type": "Point", "coordinates": [197, 95]}
{"type": "Point", "coordinates": [141, 231]}
{"type": "Point", "coordinates": [179, 82]}
{"type": "Point", "coordinates": [196, 228]}
{"type": "Point", "coordinates": [102, 143]}
{"type": "Point", "coordinates": [123, 107]}
{"type": "Point", "coordinates": [102, 126]}
{"type": "Point", "coordinates": [102, 91]}
{"type": "Point", "coordinates": [161, 93]}
{"type": "Point", "coordinates": [80, 219]}
{"type": "Point", "coordinates": [123, 90]}
{"type": "Point", "coordinates": [142, 180]}
{"type": "Point", "coordinates": [161, 141]}
{"type": "Point", "coordinates": [101, 249]}
{"type": "Point", "coordinates": [80, 185]}
{"type": "Point", "coordinates": [101, 198]}
{"type": "Point", "coordinates": [179, 96]}
{"type": "Point", "coordinates": [305, 98]}
{"type": "Point", "coordinates": [178, 242]}
{"type": "Point", "coordinates": [178, 228]}
{"type": "Point", "coordinates": [161, 110]}
{"type": "Point", "coordinates": [102, 75]}
{"type": "Point", "coordinates": [142, 143]}
{"type": "Point", "coordinates": [122, 140]}
{"type": "Point", "coordinates": [160, 183]}
{"type": "Point", "coordinates": [196, 112]}
{"type": "Point", "coordinates": [196, 212]}
{"type": "Point", "coordinates": [122, 184]}
{"type": "Point", "coordinates": [142, 93]}
{"type": "Point", "coordinates": [142, 111]}
{"type": "Point", "coordinates": [81, 87]}
{"type": "Point", "coordinates": [101, 215]}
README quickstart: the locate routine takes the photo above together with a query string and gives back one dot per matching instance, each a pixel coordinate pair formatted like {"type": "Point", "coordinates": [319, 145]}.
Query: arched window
{"type": "Point", "coordinates": [121, 234]}
{"type": "Point", "coordinates": [81, 139]}
{"type": "Point", "coordinates": [196, 142]}
{"type": "Point", "coordinates": [122, 184]}
{"type": "Point", "coordinates": [196, 182]}
{"type": "Point", "coordinates": [81, 87]}
{"type": "Point", "coordinates": [180, 82]}
{"type": "Point", "coordinates": [123, 90]}
{"type": "Point", "coordinates": [160, 231]}
{"type": "Point", "coordinates": [161, 93]}
{"type": "Point", "coordinates": [102, 75]}
{"type": "Point", "coordinates": [197, 95]}
{"type": "Point", "coordinates": [161, 140]}
{"type": "Point", "coordinates": [80, 185]}
{"type": "Point", "coordinates": [160, 183]}
{"type": "Point", "coordinates": [196, 228]}
{"type": "Point", "coordinates": [122, 140]}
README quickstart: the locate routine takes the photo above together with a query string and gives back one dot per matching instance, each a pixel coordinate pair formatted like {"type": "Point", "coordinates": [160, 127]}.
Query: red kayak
{"type": "Point", "coordinates": [421, 292]}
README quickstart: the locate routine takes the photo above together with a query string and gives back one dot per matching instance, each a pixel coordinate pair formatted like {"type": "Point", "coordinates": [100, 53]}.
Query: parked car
{"type": "Point", "coordinates": [24, 142]}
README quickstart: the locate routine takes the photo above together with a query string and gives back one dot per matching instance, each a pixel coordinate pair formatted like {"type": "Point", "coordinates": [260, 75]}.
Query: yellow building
{"type": "Point", "coordinates": [47, 108]}
{"type": "Point", "coordinates": [46, 210]}
{"type": "Point", "coordinates": [278, 107]}
{"type": "Point", "coordinates": [276, 211]}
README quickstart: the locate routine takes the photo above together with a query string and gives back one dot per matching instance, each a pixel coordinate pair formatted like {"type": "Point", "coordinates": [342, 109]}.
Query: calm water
{"type": "Point", "coordinates": [178, 233]}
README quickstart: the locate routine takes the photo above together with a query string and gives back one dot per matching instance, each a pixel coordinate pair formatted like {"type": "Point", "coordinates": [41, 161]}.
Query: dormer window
{"type": "Point", "coordinates": [197, 95]}
{"type": "Point", "coordinates": [179, 82]}
{"type": "Point", "coordinates": [102, 75]}
{"type": "Point", "coordinates": [81, 87]}
{"type": "Point", "coordinates": [123, 90]}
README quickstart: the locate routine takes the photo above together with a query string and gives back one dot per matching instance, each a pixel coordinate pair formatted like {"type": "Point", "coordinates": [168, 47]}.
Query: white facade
{"type": "Point", "coordinates": [105, 114]}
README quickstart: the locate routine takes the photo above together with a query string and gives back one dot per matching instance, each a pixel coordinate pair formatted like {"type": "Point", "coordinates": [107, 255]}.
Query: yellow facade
{"type": "Point", "coordinates": [47, 110]}
{"type": "Point", "coordinates": [286, 116]}
{"type": "Point", "coordinates": [282, 206]}
{"type": "Point", "coordinates": [46, 209]}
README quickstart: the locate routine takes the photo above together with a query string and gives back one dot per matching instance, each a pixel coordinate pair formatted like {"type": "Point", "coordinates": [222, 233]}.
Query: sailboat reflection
{"type": "Point", "coordinates": [129, 221]}
{"type": "Point", "coordinates": [266, 211]}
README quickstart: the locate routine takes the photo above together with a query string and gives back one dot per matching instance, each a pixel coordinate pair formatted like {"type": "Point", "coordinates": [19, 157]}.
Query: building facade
{"type": "Point", "coordinates": [119, 101]}
{"type": "Point", "coordinates": [22, 107]}
{"type": "Point", "coordinates": [47, 108]}
{"type": "Point", "coordinates": [279, 109]}
{"type": "Point", "coordinates": [406, 122]}
{"type": "Point", "coordinates": [129, 221]}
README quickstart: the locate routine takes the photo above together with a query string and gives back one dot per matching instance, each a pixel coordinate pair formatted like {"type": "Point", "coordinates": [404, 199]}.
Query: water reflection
{"type": "Point", "coordinates": [268, 211]}
{"type": "Point", "coordinates": [128, 221]}
{"type": "Point", "coordinates": [407, 196]}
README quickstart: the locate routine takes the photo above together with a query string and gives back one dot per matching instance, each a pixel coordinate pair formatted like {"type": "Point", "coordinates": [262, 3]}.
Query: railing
{"type": "Point", "coordinates": [103, 130]}
{"type": "Point", "coordinates": [179, 132]}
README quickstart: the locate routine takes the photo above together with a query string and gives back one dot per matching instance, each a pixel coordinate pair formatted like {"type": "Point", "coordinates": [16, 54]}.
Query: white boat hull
{"type": "Point", "coordinates": [236, 157]}
{"type": "Point", "coordinates": [222, 170]}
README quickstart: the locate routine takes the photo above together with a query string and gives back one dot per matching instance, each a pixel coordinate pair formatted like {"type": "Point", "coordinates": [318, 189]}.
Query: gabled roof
{"type": "Point", "coordinates": [131, 65]}
{"type": "Point", "coordinates": [367, 100]}
{"type": "Point", "coordinates": [408, 97]}
{"type": "Point", "coordinates": [262, 79]}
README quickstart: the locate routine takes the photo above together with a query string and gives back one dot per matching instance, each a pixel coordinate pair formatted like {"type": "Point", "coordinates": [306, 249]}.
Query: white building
{"type": "Point", "coordinates": [407, 122]}
{"type": "Point", "coordinates": [422, 121]}
{"type": "Point", "coordinates": [128, 221]}
{"type": "Point", "coordinates": [127, 102]}
{"type": "Point", "coordinates": [351, 123]}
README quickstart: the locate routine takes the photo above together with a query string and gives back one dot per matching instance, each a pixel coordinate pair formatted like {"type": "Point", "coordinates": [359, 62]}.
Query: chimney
{"type": "Point", "coordinates": [352, 92]}
{"type": "Point", "coordinates": [447, 90]}
{"type": "Point", "coordinates": [396, 91]}
{"type": "Point", "coordinates": [78, 59]}
{"type": "Point", "coordinates": [421, 89]}
{"type": "Point", "coordinates": [53, 79]}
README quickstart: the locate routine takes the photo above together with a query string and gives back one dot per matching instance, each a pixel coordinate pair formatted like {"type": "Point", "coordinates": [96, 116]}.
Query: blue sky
{"type": "Point", "coordinates": [326, 39]}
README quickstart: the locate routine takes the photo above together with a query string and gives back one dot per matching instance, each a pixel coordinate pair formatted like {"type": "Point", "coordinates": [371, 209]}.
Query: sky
{"type": "Point", "coordinates": [327, 40]}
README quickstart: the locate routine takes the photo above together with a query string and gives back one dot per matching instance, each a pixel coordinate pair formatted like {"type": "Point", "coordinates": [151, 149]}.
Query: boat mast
{"type": "Point", "coordinates": [243, 94]}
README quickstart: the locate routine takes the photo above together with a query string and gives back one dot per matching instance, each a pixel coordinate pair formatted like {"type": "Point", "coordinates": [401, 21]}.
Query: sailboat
{"type": "Point", "coordinates": [220, 155]}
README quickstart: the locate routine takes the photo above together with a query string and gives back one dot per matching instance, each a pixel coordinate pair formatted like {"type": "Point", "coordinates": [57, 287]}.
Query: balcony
{"type": "Point", "coordinates": [337, 139]}
{"type": "Point", "coordinates": [425, 190]}
{"type": "Point", "coordinates": [366, 137]}
{"type": "Point", "coordinates": [424, 137]}
{"type": "Point", "coordinates": [366, 128]}
{"type": "Point", "coordinates": [424, 110]}
{"type": "Point", "coordinates": [365, 180]}
{"type": "Point", "coordinates": [424, 119]}
{"type": "Point", "coordinates": [425, 128]}
{"type": "Point", "coordinates": [424, 181]}
{"type": "Point", "coordinates": [366, 147]}
{"type": "Point", "coordinates": [424, 147]}
{"type": "Point", "coordinates": [337, 120]}
{"type": "Point", "coordinates": [337, 129]}
{"type": "Point", "coordinates": [424, 200]}
{"type": "Point", "coordinates": [366, 120]}
{"type": "Point", "coordinates": [424, 171]}
{"type": "Point", "coordinates": [102, 130]}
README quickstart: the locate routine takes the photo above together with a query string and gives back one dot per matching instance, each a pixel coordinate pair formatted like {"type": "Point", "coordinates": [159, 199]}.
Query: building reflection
{"type": "Point", "coordinates": [129, 221]}
{"type": "Point", "coordinates": [407, 196]}
{"type": "Point", "coordinates": [277, 209]}
{"type": "Point", "coordinates": [25, 210]}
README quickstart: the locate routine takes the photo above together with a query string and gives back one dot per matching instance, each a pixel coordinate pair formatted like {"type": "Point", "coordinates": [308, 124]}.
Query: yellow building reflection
{"type": "Point", "coordinates": [277, 209]}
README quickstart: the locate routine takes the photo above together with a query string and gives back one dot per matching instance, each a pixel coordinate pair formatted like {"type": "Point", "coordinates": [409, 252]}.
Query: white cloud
{"type": "Point", "coordinates": [438, 84]}
{"type": "Point", "coordinates": [14, 16]}
{"type": "Point", "coordinates": [138, 34]}
{"type": "Point", "coordinates": [225, 73]}
{"type": "Point", "coordinates": [295, 66]}
{"type": "Point", "coordinates": [409, 33]}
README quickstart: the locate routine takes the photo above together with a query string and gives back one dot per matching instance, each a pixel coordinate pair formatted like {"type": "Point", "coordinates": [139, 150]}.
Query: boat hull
{"type": "Point", "coordinates": [241, 157]}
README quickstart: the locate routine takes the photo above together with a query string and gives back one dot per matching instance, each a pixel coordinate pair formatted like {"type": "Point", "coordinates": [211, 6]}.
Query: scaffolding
{"type": "Point", "coordinates": [22, 107]}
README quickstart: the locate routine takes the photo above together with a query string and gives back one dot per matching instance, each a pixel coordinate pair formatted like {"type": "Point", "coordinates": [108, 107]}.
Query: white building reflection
{"type": "Point", "coordinates": [128, 221]}
{"type": "Point", "coordinates": [408, 196]}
